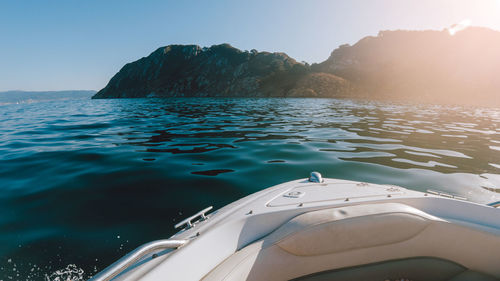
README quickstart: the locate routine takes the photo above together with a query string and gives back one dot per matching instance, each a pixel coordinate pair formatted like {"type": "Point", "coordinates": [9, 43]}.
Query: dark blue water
{"type": "Point", "coordinates": [85, 181]}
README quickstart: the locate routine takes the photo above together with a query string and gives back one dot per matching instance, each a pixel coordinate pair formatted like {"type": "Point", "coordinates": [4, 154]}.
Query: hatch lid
{"type": "Point", "coordinates": [322, 192]}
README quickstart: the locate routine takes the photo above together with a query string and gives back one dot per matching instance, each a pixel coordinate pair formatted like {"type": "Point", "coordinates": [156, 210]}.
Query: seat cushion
{"type": "Point", "coordinates": [415, 269]}
{"type": "Point", "coordinates": [338, 239]}
{"type": "Point", "coordinates": [353, 233]}
{"type": "Point", "coordinates": [336, 230]}
{"type": "Point", "coordinates": [470, 275]}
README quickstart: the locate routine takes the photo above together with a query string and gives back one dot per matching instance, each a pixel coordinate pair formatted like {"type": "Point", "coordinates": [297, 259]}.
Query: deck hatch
{"type": "Point", "coordinates": [312, 193]}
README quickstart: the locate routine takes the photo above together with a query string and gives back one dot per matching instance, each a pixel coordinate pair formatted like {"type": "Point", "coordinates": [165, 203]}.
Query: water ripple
{"type": "Point", "coordinates": [75, 175]}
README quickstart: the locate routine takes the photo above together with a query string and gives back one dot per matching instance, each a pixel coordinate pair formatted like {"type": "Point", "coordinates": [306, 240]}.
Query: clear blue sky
{"type": "Point", "coordinates": [80, 44]}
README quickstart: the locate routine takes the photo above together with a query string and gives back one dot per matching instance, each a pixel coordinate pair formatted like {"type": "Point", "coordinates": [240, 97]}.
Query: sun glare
{"type": "Point", "coordinates": [459, 26]}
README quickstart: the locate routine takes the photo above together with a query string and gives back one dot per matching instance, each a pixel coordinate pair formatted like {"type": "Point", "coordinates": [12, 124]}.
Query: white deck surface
{"type": "Point", "coordinates": [236, 225]}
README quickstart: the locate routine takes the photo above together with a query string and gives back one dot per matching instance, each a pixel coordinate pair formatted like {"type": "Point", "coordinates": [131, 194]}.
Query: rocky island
{"type": "Point", "coordinates": [420, 66]}
{"type": "Point", "coordinates": [219, 71]}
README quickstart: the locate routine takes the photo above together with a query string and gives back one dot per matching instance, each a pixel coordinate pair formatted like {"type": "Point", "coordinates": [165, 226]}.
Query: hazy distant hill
{"type": "Point", "coordinates": [431, 66]}
{"type": "Point", "coordinates": [426, 66]}
{"type": "Point", "coordinates": [16, 97]}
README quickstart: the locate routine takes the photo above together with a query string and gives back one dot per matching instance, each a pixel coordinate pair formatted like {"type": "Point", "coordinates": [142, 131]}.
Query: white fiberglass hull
{"type": "Point", "coordinates": [300, 228]}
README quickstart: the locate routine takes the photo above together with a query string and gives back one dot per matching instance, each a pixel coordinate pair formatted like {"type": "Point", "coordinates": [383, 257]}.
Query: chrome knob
{"type": "Point", "coordinates": [316, 177]}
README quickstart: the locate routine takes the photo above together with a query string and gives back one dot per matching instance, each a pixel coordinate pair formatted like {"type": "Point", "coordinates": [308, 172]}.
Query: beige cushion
{"type": "Point", "coordinates": [470, 275]}
{"type": "Point", "coordinates": [415, 269]}
{"type": "Point", "coordinates": [341, 229]}
{"type": "Point", "coordinates": [353, 233]}
{"type": "Point", "coordinates": [339, 238]}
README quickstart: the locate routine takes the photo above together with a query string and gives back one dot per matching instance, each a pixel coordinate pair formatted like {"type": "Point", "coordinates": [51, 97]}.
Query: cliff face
{"type": "Point", "coordinates": [430, 66]}
{"type": "Point", "coordinates": [420, 66]}
{"type": "Point", "coordinates": [218, 71]}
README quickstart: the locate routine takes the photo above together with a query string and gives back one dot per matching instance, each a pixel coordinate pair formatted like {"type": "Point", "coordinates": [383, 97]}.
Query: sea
{"type": "Point", "coordinates": [83, 182]}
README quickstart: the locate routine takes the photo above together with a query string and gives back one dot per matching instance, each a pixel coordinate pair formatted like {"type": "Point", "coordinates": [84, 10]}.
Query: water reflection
{"type": "Point", "coordinates": [442, 139]}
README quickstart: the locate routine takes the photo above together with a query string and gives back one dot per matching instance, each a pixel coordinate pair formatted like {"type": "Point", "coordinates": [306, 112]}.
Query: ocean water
{"type": "Point", "coordinates": [85, 181]}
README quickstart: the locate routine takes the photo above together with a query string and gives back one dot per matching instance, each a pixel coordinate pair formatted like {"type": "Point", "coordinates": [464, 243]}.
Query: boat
{"type": "Point", "coordinates": [327, 229]}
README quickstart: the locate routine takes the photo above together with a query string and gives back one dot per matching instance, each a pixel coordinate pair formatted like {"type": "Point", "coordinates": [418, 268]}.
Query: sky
{"type": "Point", "coordinates": [81, 44]}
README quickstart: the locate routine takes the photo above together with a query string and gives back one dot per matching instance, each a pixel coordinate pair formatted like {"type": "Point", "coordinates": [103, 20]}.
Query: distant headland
{"type": "Point", "coordinates": [418, 66]}
{"type": "Point", "coordinates": [24, 97]}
